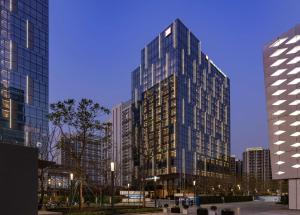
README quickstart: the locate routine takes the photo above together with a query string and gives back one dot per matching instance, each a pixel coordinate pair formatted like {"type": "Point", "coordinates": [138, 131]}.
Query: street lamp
{"type": "Point", "coordinates": [71, 176]}
{"type": "Point", "coordinates": [128, 185]}
{"type": "Point", "coordinates": [155, 179]}
{"type": "Point", "coordinates": [194, 184]}
{"type": "Point", "coordinates": [112, 170]}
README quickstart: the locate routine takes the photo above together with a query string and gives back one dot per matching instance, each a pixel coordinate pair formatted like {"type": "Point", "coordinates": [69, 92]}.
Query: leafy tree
{"type": "Point", "coordinates": [78, 123]}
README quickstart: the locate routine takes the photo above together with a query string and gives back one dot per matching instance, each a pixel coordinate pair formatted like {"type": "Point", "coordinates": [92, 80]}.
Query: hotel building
{"type": "Point", "coordinates": [181, 112]}
{"type": "Point", "coordinates": [282, 84]}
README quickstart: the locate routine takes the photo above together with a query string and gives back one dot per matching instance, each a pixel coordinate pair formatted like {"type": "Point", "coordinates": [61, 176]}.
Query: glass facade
{"type": "Point", "coordinates": [181, 109]}
{"type": "Point", "coordinates": [24, 71]}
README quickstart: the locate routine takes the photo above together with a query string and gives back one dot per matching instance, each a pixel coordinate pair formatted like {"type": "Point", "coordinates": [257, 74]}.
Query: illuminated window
{"type": "Point", "coordinates": [278, 62]}
{"type": "Point", "coordinates": [278, 92]}
{"type": "Point", "coordinates": [278, 52]}
{"type": "Point", "coordinates": [295, 81]}
{"type": "Point", "coordinates": [296, 134]}
{"type": "Point", "coordinates": [280, 173]}
{"type": "Point", "coordinates": [295, 113]}
{"type": "Point", "coordinates": [296, 166]}
{"type": "Point", "coordinates": [295, 145]}
{"type": "Point", "coordinates": [279, 122]}
{"type": "Point", "coordinates": [168, 32]}
{"type": "Point", "coordinates": [296, 155]}
{"type": "Point", "coordinates": [294, 60]}
{"type": "Point", "coordinates": [278, 72]}
{"type": "Point", "coordinates": [279, 132]}
{"type": "Point", "coordinates": [295, 92]}
{"type": "Point", "coordinates": [277, 113]}
{"type": "Point", "coordinates": [294, 71]}
{"type": "Point", "coordinates": [278, 42]}
{"type": "Point", "coordinates": [294, 50]}
{"type": "Point", "coordinates": [295, 123]}
{"type": "Point", "coordinates": [279, 142]}
{"type": "Point", "coordinates": [279, 152]}
{"type": "Point", "coordinates": [296, 102]}
{"type": "Point", "coordinates": [279, 102]}
{"type": "Point", "coordinates": [278, 82]}
{"type": "Point", "coordinates": [293, 40]}
{"type": "Point", "coordinates": [280, 162]}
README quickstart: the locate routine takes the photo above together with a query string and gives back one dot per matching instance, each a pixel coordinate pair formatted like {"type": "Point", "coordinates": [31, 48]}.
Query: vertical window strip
{"type": "Point", "coordinates": [167, 65]}
{"type": "Point", "coordinates": [10, 113]}
{"type": "Point", "coordinates": [140, 75]}
{"type": "Point", "coordinates": [189, 42]}
{"type": "Point", "coordinates": [27, 89]}
{"type": "Point", "coordinates": [10, 54]}
{"type": "Point", "coordinates": [146, 57]}
{"type": "Point", "coordinates": [27, 33]}
{"type": "Point", "coordinates": [152, 74]}
{"type": "Point", "coordinates": [199, 52]}
{"type": "Point", "coordinates": [174, 34]}
{"type": "Point", "coordinates": [159, 46]}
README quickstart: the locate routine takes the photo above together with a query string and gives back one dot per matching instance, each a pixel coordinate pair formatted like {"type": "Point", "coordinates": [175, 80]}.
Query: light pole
{"type": "Point", "coordinates": [71, 187]}
{"type": "Point", "coordinates": [112, 170]}
{"type": "Point", "coordinates": [194, 184]}
{"type": "Point", "coordinates": [155, 179]}
{"type": "Point", "coordinates": [128, 185]}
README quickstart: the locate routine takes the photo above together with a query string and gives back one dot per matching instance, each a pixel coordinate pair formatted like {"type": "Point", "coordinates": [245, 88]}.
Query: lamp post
{"type": "Point", "coordinates": [194, 184]}
{"type": "Point", "coordinates": [71, 187]}
{"type": "Point", "coordinates": [112, 170]}
{"type": "Point", "coordinates": [128, 185]}
{"type": "Point", "coordinates": [155, 179]}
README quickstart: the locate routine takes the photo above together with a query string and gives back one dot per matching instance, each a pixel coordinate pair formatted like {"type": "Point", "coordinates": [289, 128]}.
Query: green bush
{"type": "Point", "coordinates": [228, 199]}
{"type": "Point", "coordinates": [210, 199]}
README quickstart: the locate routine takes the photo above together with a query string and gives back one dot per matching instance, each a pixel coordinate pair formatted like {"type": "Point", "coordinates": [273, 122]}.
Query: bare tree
{"type": "Point", "coordinates": [78, 123]}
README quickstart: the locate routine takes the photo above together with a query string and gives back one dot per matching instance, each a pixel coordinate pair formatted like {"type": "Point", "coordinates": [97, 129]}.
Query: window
{"type": "Point", "coordinates": [279, 132]}
{"type": "Point", "coordinates": [278, 52]}
{"type": "Point", "coordinates": [279, 102]}
{"type": "Point", "coordinates": [277, 113]}
{"type": "Point", "coordinates": [278, 72]}
{"type": "Point", "coordinates": [278, 82]}
{"type": "Point", "coordinates": [294, 39]}
{"type": "Point", "coordinates": [294, 71]}
{"type": "Point", "coordinates": [295, 92]}
{"type": "Point", "coordinates": [279, 152]}
{"type": "Point", "coordinates": [295, 81]}
{"type": "Point", "coordinates": [279, 122]}
{"type": "Point", "coordinates": [294, 60]}
{"type": "Point", "coordinates": [278, 92]}
{"type": "Point", "coordinates": [278, 42]}
{"type": "Point", "coordinates": [294, 50]}
{"type": "Point", "coordinates": [278, 62]}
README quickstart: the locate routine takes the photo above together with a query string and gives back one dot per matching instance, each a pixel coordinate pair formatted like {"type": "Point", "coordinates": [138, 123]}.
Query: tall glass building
{"type": "Point", "coordinates": [181, 112]}
{"type": "Point", "coordinates": [282, 85]}
{"type": "Point", "coordinates": [24, 72]}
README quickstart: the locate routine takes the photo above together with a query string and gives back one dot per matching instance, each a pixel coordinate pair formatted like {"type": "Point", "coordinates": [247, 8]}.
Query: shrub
{"type": "Point", "coordinates": [227, 212]}
{"type": "Point", "coordinates": [175, 210]}
{"type": "Point", "coordinates": [202, 211]}
{"type": "Point", "coordinates": [238, 198]}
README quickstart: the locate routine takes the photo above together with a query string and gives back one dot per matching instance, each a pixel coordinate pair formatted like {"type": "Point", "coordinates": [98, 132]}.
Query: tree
{"type": "Point", "coordinates": [50, 153]}
{"type": "Point", "coordinates": [78, 123]}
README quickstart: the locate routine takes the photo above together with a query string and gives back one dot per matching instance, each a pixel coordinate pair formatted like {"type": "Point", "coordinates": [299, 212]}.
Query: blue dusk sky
{"type": "Point", "coordinates": [95, 44]}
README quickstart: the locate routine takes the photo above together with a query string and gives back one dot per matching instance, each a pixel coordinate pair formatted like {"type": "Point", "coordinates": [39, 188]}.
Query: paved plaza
{"type": "Point", "coordinates": [250, 208]}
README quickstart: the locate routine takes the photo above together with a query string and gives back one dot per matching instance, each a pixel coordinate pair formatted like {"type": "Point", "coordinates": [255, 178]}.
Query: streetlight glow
{"type": "Point", "coordinates": [194, 182]}
{"type": "Point", "coordinates": [71, 176]}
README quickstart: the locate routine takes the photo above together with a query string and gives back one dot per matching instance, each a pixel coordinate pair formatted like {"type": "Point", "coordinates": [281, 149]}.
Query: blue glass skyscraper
{"type": "Point", "coordinates": [24, 72]}
{"type": "Point", "coordinates": [181, 111]}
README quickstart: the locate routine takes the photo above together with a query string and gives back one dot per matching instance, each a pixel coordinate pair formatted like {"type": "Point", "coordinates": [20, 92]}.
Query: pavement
{"type": "Point", "coordinates": [248, 208]}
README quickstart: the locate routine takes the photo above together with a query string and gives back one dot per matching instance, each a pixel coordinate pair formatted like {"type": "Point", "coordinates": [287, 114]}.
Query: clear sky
{"type": "Point", "coordinates": [95, 44]}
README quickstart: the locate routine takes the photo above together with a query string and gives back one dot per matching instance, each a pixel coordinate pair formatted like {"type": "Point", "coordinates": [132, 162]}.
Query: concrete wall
{"type": "Point", "coordinates": [294, 194]}
{"type": "Point", "coordinates": [18, 180]}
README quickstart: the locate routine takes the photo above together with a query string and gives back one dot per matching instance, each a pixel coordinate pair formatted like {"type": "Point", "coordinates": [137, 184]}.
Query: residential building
{"type": "Point", "coordinates": [24, 72]}
{"type": "Point", "coordinates": [181, 112]}
{"type": "Point", "coordinates": [256, 170]}
{"type": "Point", "coordinates": [121, 143]}
{"type": "Point", "coordinates": [95, 161]}
{"type": "Point", "coordinates": [236, 166]}
{"type": "Point", "coordinates": [282, 86]}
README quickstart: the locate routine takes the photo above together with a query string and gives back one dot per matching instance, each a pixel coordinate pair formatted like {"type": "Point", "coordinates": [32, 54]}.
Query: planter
{"type": "Point", "coordinates": [175, 210]}
{"type": "Point", "coordinates": [227, 212]}
{"type": "Point", "coordinates": [202, 211]}
{"type": "Point", "coordinates": [184, 211]}
{"type": "Point", "coordinates": [165, 210]}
